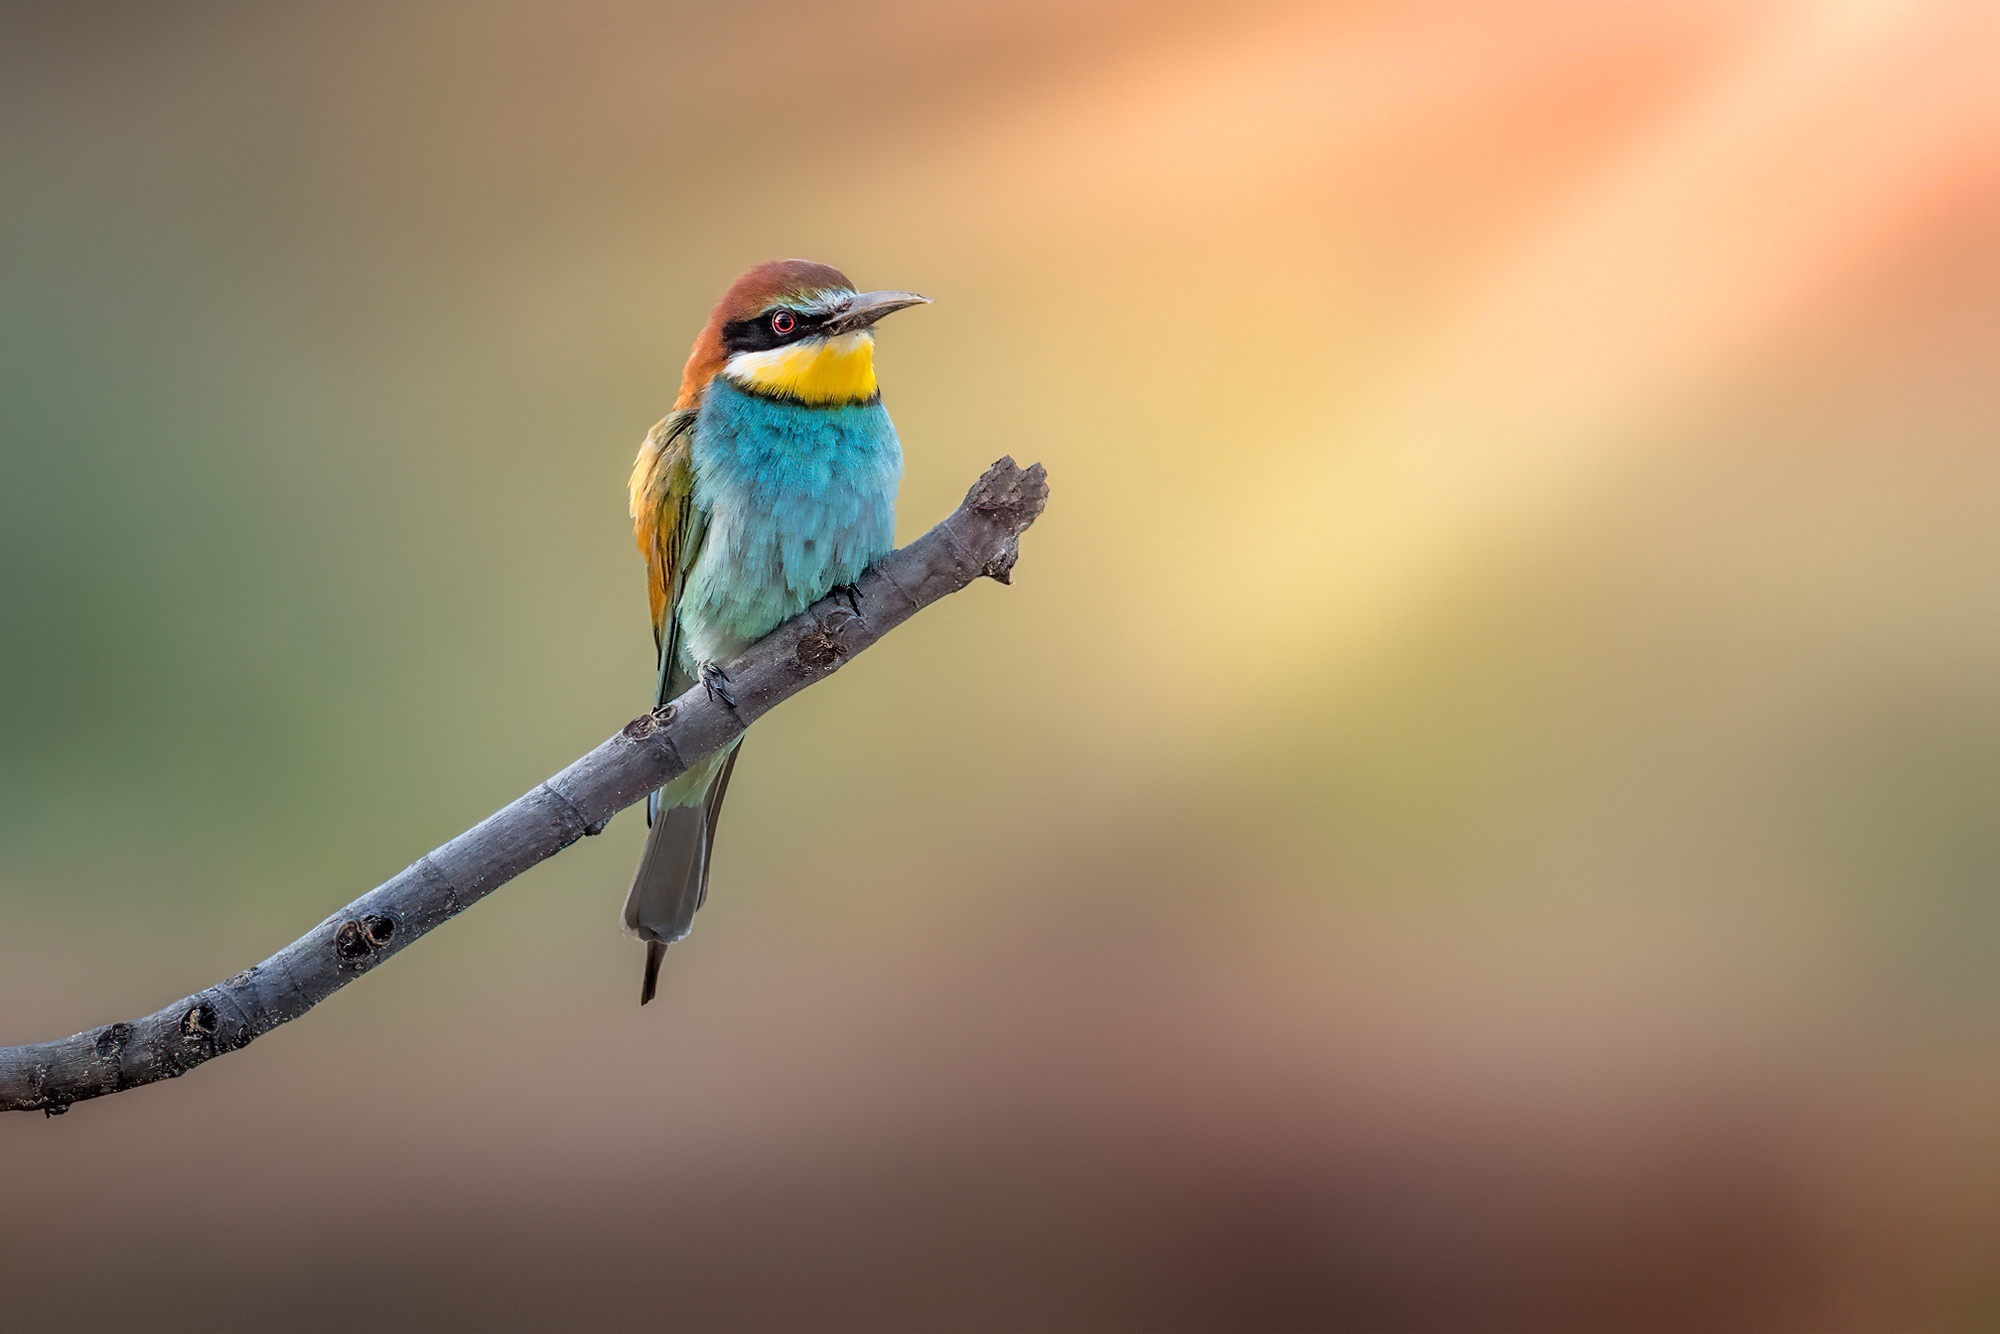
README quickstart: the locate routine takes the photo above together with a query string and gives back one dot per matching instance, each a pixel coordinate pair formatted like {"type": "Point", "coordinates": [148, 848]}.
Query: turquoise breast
{"type": "Point", "coordinates": [793, 501]}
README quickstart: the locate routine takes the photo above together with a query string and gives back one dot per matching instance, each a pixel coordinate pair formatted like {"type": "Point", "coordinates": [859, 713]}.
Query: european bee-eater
{"type": "Point", "coordinates": [770, 484]}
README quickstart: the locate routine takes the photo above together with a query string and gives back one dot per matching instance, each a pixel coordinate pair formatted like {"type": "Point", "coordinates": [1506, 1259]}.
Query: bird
{"type": "Point", "coordinates": [771, 484]}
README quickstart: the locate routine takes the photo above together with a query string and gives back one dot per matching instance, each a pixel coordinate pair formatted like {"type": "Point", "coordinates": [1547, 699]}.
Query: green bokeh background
{"type": "Point", "coordinates": [1478, 811]}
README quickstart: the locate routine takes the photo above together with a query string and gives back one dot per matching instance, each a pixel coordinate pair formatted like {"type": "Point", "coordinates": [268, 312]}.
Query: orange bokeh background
{"type": "Point", "coordinates": [1477, 812]}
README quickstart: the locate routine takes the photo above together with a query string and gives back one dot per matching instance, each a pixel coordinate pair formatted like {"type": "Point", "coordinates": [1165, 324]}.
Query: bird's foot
{"type": "Point", "coordinates": [716, 682]}
{"type": "Point", "coordinates": [851, 595]}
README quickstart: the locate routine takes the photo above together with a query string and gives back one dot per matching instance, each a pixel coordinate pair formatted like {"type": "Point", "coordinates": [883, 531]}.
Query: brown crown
{"type": "Point", "coordinates": [747, 298]}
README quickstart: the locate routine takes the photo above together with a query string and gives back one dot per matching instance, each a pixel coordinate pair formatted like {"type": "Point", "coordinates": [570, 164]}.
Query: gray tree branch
{"type": "Point", "coordinates": [978, 539]}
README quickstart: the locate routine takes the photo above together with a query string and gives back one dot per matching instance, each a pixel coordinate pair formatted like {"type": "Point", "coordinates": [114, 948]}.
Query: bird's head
{"type": "Point", "coordinates": [795, 330]}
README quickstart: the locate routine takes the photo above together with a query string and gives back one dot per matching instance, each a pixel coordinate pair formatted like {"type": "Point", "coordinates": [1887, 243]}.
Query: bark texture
{"type": "Point", "coordinates": [979, 539]}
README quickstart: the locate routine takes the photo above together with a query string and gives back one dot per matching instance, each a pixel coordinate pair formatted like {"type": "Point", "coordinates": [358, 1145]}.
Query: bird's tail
{"type": "Point", "coordinates": [672, 879]}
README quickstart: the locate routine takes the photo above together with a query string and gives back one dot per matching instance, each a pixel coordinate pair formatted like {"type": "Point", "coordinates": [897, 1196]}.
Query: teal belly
{"type": "Point", "coordinates": [793, 501]}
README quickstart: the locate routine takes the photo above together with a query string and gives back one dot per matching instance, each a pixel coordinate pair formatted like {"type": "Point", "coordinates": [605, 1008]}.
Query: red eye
{"type": "Point", "coordinates": [783, 322]}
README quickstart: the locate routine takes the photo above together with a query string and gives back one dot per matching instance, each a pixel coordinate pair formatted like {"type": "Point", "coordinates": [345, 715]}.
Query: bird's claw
{"type": "Point", "coordinates": [716, 682]}
{"type": "Point", "coordinates": [851, 595]}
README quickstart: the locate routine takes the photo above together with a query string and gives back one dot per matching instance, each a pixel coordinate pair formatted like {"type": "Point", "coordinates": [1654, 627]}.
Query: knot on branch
{"type": "Point", "coordinates": [198, 1022]}
{"type": "Point", "coordinates": [818, 651]}
{"type": "Point", "coordinates": [647, 723]}
{"type": "Point", "coordinates": [823, 649]}
{"type": "Point", "coordinates": [113, 1039]}
{"type": "Point", "coordinates": [359, 937]}
{"type": "Point", "coordinates": [1001, 568]}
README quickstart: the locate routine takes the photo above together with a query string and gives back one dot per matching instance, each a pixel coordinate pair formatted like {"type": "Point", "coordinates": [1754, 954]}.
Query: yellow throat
{"type": "Point", "coordinates": [819, 370]}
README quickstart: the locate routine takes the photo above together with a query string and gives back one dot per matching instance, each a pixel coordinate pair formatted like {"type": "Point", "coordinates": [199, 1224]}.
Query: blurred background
{"type": "Point", "coordinates": [1478, 812]}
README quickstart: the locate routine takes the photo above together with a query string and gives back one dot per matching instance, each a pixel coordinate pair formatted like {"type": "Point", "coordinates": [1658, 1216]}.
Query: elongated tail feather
{"type": "Point", "coordinates": [672, 880]}
{"type": "Point", "coordinates": [656, 954]}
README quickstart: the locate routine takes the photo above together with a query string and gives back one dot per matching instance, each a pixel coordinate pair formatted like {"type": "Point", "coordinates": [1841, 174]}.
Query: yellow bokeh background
{"type": "Point", "coordinates": [1480, 810]}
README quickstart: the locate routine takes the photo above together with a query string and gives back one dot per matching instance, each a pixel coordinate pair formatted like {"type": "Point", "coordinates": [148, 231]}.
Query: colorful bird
{"type": "Point", "coordinates": [770, 484]}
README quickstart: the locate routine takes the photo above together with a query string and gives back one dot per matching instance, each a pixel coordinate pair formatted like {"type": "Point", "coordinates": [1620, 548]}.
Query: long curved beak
{"type": "Point", "coordinates": [868, 307]}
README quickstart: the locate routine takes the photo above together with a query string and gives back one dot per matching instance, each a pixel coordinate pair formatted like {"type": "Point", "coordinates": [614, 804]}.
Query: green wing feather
{"type": "Point", "coordinates": [669, 531]}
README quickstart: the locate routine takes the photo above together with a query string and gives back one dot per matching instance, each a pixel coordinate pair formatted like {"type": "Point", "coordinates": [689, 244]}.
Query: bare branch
{"type": "Point", "coordinates": [980, 538]}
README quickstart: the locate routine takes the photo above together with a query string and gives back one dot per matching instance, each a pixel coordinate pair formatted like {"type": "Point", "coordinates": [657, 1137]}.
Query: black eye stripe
{"type": "Point", "coordinates": [763, 332]}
